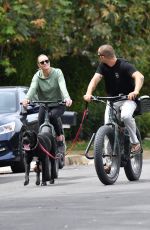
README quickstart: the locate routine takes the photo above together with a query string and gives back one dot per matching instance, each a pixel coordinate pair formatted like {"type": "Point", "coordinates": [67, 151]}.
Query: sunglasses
{"type": "Point", "coordinates": [43, 62]}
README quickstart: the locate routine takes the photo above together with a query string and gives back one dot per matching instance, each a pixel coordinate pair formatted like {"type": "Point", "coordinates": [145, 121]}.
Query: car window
{"type": "Point", "coordinates": [8, 102]}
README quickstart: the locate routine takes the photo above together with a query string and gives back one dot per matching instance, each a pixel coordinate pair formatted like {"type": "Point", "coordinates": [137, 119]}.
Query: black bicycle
{"type": "Point", "coordinates": [112, 148]}
{"type": "Point", "coordinates": [47, 127]}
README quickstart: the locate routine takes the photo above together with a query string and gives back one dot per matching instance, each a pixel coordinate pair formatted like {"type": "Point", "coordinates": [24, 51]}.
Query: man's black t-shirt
{"type": "Point", "coordinates": [117, 78]}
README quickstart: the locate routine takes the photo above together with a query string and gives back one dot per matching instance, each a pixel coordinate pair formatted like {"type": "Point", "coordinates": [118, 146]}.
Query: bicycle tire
{"type": "Point", "coordinates": [103, 152]}
{"type": "Point", "coordinates": [47, 169]}
{"type": "Point", "coordinates": [133, 167]}
{"type": "Point", "coordinates": [55, 164]}
{"type": "Point", "coordinates": [56, 161]}
{"type": "Point", "coordinates": [56, 169]}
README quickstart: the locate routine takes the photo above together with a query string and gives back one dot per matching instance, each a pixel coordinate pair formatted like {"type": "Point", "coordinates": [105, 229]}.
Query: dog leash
{"type": "Point", "coordinates": [85, 115]}
{"type": "Point", "coordinates": [48, 153]}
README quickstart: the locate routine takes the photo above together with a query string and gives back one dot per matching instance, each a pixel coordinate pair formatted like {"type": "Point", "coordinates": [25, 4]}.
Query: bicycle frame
{"type": "Point", "coordinates": [114, 121]}
{"type": "Point", "coordinates": [117, 125]}
{"type": "Point", "coordinates": [49, 128]}
{"type": "Point", "coordinates": [47, 121]}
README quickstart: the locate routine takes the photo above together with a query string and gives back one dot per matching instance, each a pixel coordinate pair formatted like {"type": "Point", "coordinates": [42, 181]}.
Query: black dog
{"type": "Point", "coordinates": [32, 143]}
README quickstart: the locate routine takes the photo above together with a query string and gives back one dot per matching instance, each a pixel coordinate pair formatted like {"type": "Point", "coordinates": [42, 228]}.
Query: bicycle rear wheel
{"type": "Point", "coordinates": [106, 157]}
{"type": "Point", "coordinates": [133, 167]}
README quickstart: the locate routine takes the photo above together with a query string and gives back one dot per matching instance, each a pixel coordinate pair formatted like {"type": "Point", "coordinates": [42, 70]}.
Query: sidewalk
{"type": "Point", "coordinates": [76, 158]}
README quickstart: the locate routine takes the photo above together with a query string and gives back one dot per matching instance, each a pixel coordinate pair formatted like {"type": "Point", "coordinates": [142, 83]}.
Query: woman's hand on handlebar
{"type": "Point", "coordinates": [25, 102]}
{"type": "Point", "coordinates": [68, 102]}
{"type": "Point", "coordinates": [87, 97]}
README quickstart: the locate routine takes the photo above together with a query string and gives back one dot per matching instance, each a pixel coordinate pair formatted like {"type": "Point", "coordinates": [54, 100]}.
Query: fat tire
{"type": "Point", "coordinates": [56, 168]}
{"type": "Point", "coordinates": [47, 129]}
{"type": "Point", "coordinates": [107, 179]}
{"type": "Point", "coordinates": [54, 151]}
{"type": "Point", "coordinates": [133, 167]}
{"type": "Point", "coordinates": [47, 169]}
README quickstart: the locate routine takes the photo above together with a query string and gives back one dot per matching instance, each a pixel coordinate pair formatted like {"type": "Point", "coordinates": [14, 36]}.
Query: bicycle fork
{"type": "Point", "coordinates": [89, 146]}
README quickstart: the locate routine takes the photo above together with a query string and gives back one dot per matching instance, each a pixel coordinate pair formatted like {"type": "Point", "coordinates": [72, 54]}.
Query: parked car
{"type": "Point", "coordinates": [11, 123]}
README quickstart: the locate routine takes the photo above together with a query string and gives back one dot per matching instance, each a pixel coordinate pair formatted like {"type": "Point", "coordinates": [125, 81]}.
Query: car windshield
{"type": "Point", "coordinates": [8, 102]}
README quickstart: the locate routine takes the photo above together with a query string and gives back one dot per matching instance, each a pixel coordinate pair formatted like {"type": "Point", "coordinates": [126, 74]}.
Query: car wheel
{"type": "Point", "coordinates": [18, 167]}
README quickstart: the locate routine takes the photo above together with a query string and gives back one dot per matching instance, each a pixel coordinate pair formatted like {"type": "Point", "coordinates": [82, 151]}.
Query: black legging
{"type": "Point", "coordinates": [54, 115]}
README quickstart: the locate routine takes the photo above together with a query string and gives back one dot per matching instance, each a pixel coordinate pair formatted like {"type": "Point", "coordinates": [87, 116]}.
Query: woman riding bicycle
{"type": "Point", "coordinates": [120, 77]}
{"type": "Point", "coordinates": [49, 84]}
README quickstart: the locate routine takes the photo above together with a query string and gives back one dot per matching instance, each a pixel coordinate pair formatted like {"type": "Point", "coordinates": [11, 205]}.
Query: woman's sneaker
{"type": "Point", "coordinates": [61, 148]}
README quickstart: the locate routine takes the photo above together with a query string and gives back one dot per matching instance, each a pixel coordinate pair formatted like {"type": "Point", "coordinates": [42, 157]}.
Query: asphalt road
{"type": "Point", "coordinates": [77, 201]}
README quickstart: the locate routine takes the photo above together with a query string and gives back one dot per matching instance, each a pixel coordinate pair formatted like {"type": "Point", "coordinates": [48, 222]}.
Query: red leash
{"type": "Point", "coordinates": [48, 153]}
{"type": "Point", "coordinates": [85, 113]}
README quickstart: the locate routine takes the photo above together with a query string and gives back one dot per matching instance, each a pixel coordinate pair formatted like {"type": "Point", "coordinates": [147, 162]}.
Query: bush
{"type": "Point", "coordinates": [143, 123]}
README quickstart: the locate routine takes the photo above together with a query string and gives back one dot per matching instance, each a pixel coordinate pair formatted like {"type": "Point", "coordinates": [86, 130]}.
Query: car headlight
{"type": "Point", "coordinates": [7, 128]}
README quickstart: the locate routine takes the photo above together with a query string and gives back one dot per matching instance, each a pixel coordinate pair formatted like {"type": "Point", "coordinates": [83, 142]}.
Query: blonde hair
{"type": "Point", "coordinates": [40, 56]}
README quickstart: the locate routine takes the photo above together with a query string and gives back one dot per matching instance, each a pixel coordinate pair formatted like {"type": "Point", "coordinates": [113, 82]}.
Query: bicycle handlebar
{"type": "Point", "coordinates": [46, 102]}
{"type": "Point", "coordinates": [112, 99]}
{"type": "Point", "coordinates": [49, 102]}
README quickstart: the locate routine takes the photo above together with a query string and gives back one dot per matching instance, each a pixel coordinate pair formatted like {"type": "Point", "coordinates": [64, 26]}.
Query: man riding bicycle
{"type": "Point", "coordinates": [49, 84]}
{"type": "Point", "coordinates": [120, 77]}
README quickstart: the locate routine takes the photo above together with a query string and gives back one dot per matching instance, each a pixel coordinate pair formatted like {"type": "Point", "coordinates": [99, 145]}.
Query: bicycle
{"type": "Point", "coordinates": [112, 147]}
{"type": "Point", "coordinates": [47, 127]}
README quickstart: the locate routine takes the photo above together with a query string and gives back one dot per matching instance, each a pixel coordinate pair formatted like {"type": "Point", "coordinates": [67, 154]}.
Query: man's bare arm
{"type": "Point", "coordinates": [92, 86]}
{"type": "Point", "coordinates": [139, 80]}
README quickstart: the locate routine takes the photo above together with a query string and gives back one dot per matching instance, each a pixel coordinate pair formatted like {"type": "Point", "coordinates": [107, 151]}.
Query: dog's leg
{"type": "Point", "coordinates": [27, 169]}
{"type": "Point", "coordinates": [37, 173]}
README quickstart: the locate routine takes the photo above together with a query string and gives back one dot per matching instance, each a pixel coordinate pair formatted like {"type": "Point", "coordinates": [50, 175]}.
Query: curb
{"type": "Point", "coordinates": [73, 159]}
{"type": "Point", "coordinates": [77, 160]}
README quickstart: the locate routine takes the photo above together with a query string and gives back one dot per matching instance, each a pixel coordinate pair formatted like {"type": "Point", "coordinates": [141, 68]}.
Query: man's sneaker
{"type": "Point", "coordinates": [136, 148]}
{"type": "Point", "coordinates": [107, 168]}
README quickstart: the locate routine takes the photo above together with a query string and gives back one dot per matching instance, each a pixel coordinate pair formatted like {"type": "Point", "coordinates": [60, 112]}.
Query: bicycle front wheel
{"type": "Point", "coordinates": [106, 155]}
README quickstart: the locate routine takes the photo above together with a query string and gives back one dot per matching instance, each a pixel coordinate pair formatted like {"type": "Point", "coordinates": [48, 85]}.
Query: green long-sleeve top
{"type": "Point", "coordinates": [52, 88]}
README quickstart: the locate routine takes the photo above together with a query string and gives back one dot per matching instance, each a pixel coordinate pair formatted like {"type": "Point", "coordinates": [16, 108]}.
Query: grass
{"type": "Point", "coordinates": [78, 146]}
{"type": "Point", "coordinates": [82, 145]}
{"type": "Point", "coordinates": [146, 144]}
